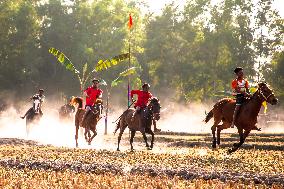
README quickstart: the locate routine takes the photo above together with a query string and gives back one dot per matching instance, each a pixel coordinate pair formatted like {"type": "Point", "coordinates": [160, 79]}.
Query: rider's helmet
{"type": "Point", "coordinates": [146, 85]}
{"type": "Point", "coordinates": [41, 90]}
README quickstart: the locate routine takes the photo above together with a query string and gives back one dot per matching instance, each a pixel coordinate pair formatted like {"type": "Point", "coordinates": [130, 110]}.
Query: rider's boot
{"type": "Point", "coordinates": [84, 117]}
{"type": "Point", "coordinates": [235, 115]}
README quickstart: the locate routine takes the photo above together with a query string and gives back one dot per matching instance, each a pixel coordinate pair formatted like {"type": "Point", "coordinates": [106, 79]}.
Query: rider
{"type": "Point", "coordinates": [92, 93]}
{"type": "Point", "coordinates": [67, 108]}
{"type": "Point", "coordinates": [240, 90]}
{"type": "Point", "coordinates": [38, 96]}
{"type": "Point", "coordinates": [143, 96]}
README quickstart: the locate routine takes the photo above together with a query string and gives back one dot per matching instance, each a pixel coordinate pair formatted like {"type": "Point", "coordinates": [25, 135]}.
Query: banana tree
{"type": "Point", "coordinates": [84, 77]}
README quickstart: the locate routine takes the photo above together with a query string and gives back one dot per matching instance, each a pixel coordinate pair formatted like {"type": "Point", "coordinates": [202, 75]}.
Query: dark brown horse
{"type": "Point", "coordinates": [142, 122]}
{"type": "Point", "coordinates": [33, 116]}
{"type": "Point", "coordinates": [247, 117]}
{"type": "Point", "coordinates": [90, 122]}
{"type": "Point", "coordinates": [65, 112]}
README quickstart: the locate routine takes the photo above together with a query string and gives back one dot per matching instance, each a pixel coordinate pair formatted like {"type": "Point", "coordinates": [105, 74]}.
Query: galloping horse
{"type": "Point", "coordinates": [34, 115]}
{"type": "Point", "coordinates": [90, 122]}
{"type": "Point", "coordinates": [65, 112]}
{"type": "Point", "coordinates": [247, 117]}
{"type": "Point", "coordinates": [142, 122]}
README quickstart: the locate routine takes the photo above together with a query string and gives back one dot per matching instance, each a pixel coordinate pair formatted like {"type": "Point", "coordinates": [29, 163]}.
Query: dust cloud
{"type": "Point", "coordinates": [50, 130]}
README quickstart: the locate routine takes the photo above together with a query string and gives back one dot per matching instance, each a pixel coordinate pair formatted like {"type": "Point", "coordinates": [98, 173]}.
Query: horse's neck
{"type": "Point", "coordinates": [255, 104]}
{"type": "Point", "coordinates": [147, 113]}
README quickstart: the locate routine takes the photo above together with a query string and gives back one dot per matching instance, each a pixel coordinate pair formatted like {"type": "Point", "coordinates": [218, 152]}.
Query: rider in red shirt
{"type": "Point", "coordinates": [240, 88]}
{"type": "Point", "coordinates": [143, 98]}
{"type": "Point", "coordinates": [92, 94]}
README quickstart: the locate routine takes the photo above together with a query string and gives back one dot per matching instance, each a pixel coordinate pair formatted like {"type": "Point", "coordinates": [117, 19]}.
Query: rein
{"type": "Point", "coordinates": [265, 97]}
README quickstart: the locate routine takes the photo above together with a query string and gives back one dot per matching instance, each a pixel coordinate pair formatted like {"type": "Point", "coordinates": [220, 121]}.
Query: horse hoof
{"type": "Point", "coordinates": [235, 145]}
{"type": "Point", "coordinates": [118, 149]}
{"type": "Point", "coordinates": [213, 146]}
{"type": "Point", "coordinates": [149, 148]}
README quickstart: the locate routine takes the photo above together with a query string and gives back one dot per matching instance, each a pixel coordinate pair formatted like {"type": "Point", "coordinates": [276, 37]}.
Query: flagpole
{"type": "Point", "coordinates": [129, 61]}
{"type": "Point", "coordinates": [128, 87]}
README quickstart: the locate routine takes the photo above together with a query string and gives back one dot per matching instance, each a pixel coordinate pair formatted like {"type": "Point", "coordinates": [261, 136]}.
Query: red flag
{"type": "Point", "coordinates": [130, 22]}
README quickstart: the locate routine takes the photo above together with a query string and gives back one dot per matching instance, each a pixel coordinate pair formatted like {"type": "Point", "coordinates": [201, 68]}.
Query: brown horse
{"type": "Point", "coordinates": [247, 117]}
{"type": "Point", "coordinates": [142, 122]}
{"type": "Point", "coordinates": [90, 122]}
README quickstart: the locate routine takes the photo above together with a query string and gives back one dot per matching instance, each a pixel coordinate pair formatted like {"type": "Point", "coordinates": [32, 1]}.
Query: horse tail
{"type": "Point", "coordinates": [120, 121]}
{"type": "Point", "coordinates": [77, 100]}
{"type": "Point", "coordinates": [208, 116]}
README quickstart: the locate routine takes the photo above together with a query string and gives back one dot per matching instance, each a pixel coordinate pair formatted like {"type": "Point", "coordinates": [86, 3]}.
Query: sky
{"type": "Point", "coordinates": [157, 5]}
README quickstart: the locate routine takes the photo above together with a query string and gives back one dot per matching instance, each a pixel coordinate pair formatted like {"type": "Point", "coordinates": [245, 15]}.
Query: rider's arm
{"type": "Point", "coordinates": [100, 94]}
{"type": "Point", "coordinates": [247, 88]}
{"type": "Point", "coordinates": [132, 93]}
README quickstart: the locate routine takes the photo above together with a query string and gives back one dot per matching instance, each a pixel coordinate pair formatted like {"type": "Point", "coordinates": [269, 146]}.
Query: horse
{"type": "Point", "coordinates": [65, 112]}
{"type": "Point", "coordinates": [141, 122]}
{"type": "Point", "coordinates": [34, 114]}
{"type": "Point", "coordinates": [247, 116]}
{"type": "Point", "coordinates": [90, 122]}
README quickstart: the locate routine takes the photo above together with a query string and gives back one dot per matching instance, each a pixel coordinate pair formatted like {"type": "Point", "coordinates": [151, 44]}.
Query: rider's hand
{"type": "Point", "coordinates": [247, 94]}
{"type": "Point", "coordinates": [132, 100]}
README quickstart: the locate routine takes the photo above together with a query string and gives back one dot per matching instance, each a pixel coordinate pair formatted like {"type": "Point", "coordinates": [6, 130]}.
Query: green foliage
{"type": "Point", "coordinates": [187, 53]}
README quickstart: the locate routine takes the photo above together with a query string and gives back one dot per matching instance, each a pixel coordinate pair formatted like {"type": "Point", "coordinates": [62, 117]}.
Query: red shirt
{"type": "Point", "coordinates": [143, 97]}
{"type": "Point", "coordinates": [93, 95]}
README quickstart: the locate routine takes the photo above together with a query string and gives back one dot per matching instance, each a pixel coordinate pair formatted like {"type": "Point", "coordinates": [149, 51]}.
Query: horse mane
{"type": "Point", "coordinates": [155, 100]}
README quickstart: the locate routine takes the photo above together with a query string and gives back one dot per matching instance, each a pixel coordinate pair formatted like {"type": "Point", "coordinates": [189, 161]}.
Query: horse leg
{"type": "Point", "coordinates": [217, 120]}
{"type": "Point", "coordinates": [76, 135]}
{"type": "Point", "coordinates": [131, 139]}
{"type": "Point", "coordinates": [95, 134]}
{"type": "Point", "coordinates": [145, 139]}
{"type": "Point", "coordinates": [218, 135]}
{"type": "Point", "coordinates": [152, 141]}
{"type": "Point", "coordinates": [219, 129]}
{"type": "Point", "coordinates": [87, 134]}
{"type": "Point", "coordinates": [119, 136]}
{"type": "Point", "coordinates": [237, 145]}
{"type": "Point", "coordinates": [213, 128]}
{"type": "Point", "coordinates": [245, 134]}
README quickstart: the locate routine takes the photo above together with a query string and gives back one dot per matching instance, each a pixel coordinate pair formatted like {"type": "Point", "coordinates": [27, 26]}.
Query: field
{"type": "Point", "coordinates": [178, 160]}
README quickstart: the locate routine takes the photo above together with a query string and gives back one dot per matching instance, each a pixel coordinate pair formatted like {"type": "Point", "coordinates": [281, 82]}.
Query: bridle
{"type": "Point", "coordinates": [263, 96]}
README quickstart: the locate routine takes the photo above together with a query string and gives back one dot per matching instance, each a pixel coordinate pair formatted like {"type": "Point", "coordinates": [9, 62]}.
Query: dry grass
{"type": "Point", "coordinates": [26, 165]}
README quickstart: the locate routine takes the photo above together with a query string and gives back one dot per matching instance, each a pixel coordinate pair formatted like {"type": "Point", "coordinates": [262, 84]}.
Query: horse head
{"type": "Point", "coordinates": [266, 93]}
{"type": "Point", "coordinates": [155, 107]}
